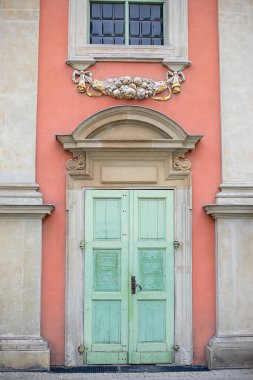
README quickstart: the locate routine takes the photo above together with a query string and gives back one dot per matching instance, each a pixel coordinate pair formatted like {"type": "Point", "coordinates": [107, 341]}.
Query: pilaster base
{"type": "Point", "coordinates": [230, 352]}
{"type": "Point", "coordinates": [24, 354]}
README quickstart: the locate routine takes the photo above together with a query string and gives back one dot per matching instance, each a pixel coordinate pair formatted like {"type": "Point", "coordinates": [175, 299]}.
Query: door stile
{"type": "Point", "coordinates": [131, 314]}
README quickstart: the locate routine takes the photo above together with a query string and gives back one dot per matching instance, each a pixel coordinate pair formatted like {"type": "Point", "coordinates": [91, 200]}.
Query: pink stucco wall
{"type": "Point", "coordinates": [61, 108]}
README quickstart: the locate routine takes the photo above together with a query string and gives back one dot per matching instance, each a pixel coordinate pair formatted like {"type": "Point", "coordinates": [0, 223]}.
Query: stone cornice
{"type": "Point", "coordinates": [19, 186]}
{"type": "Point", "coordinates": [229, 211]}
{"type": "Point", "coordinates": [167, 134]}
{"type": "Point", "coordinates": [23, 211]}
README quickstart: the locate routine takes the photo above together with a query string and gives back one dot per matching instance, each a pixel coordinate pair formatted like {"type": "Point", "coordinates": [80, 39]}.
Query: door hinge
{"type": "Point", "coordinates": [176, 244]}
{"type": "Point", "coordinates": [81, 349]}
{"type": "Point", "coordinates": [82, 244]}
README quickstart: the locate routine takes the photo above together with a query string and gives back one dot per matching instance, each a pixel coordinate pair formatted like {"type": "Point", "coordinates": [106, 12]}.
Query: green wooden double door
{"type": "Point", "coordinates": [129, 277]}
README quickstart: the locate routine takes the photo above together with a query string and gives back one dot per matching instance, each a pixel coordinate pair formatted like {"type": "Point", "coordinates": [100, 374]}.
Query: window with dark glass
{"type": "Point", "coordinates": [126, 23]}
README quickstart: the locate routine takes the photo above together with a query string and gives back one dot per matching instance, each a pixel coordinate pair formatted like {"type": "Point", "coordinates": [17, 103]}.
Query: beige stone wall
{"type": "Point", "coordinates": [236, 62]}
{"type": "Point", "coordinates": [21, 209]}
{"type": "Point", "coordinates": [20, 280]}
{"type": "Point", "coordinates": [235, 279]}
{"type": "Point", "coordinates": [232, 345]}
{"type": "Point", "coordinates": [19, 24]}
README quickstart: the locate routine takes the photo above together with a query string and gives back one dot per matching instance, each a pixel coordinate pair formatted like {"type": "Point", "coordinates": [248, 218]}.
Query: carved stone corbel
{"type": "Point", "coordinates": [78, 162]}
{"type": "Point", "coordinates": [179, 162]}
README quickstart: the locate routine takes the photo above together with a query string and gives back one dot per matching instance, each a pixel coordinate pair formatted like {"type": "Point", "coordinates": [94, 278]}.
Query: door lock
{"type": "Point", "coordinates": [134, 285]}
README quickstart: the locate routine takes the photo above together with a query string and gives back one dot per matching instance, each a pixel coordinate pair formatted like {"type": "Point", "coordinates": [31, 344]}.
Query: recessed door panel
{"type": "Point", "coordinates": [106, 270]}
{"type": "Point", "coordinates": [106, 322]}
{"type": "Point", "coordinates": [152, 222]}
{"type": "Point", "coordinates": [152, 274]}
{"type": "Point", "coordinates": [107, 219]}
{"type": "Point", "coordinates": [151, 321]}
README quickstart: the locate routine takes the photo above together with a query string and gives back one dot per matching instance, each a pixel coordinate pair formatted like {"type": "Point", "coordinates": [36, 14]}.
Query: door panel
{"type": "Point", "coordinates": [151, 269]}
{"type": "Point", "coordinates": [107, 217]}
{"type": "Point", "coordinates": [151, 218]}
{"type": "Point", "coordinates": [129, 232]}
{"type": "Point", "coordinates": [106, 277]}
{"type": "Point", "coordinates": [106, 322]}
{"type": "Point", "coordinates": [152, 262]}
{"type": "Point", "coordinates": [106, 270]}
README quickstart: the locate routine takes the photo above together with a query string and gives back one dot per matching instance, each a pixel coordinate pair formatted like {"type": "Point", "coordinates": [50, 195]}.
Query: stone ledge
{"type": "Point", "coordinates": [24, 354]}
{"type": "Point", "coordinates": [229, 211]}
{"type": "Point", "coordinates": [222, 358]}
{"type": "Point", "coordinates": [230, 352]}
{"type": "Point", "coordinates": [23, 344]}
{"type": "Point", "coordinates": [235, 193]}
{"type": "Point", "coordinates": [25, 211]}
{"type": "Point", "coordinates": [20, 194]}
{"type": "Point", "coordinates": [25, 360]}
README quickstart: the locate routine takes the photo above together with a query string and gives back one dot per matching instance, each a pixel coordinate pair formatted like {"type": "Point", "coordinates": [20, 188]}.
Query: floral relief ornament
{"type": "Point", "coordinates": [78, 162]}
{"type": "Point", "coordinates": [179, 162]}
{"type": "Point", "coordinates": [128, 87]}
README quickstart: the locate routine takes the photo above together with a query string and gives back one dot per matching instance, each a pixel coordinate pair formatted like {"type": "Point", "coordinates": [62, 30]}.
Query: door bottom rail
{"type": "Point", "coordinates": [129, 368]}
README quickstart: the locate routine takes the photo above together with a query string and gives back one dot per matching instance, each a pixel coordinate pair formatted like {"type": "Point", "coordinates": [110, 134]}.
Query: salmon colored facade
{"type": "Point", "coordinates": [61, 109]}
{"type": "Point", "coordinates": [58, 145]}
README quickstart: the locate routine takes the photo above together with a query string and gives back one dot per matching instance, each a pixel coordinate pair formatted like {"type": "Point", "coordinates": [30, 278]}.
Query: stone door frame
{"type": "Point", "coordinates": [105, 158]}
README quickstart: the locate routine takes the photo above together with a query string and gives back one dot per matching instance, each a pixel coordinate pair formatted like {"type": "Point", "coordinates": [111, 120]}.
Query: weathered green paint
{"type": "Point", "coordinates": [152, 260]}
{"type": "Point", "coordinates": [129, 232]}
{"type": "Point", "coordinates": [106, 322]}
{"type": "Point", "coordinates": [152, 269]}
{"type": "Point", "coordinates": [106, 270]}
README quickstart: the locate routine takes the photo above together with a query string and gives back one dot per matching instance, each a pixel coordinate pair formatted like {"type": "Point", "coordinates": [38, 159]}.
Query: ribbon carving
{"type": "Point", "coordinates": [128, 87]}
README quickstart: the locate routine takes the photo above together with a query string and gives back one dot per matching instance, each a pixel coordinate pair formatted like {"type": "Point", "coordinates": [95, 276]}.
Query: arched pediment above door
{"type": "Point", "coordinates": [129, 127]}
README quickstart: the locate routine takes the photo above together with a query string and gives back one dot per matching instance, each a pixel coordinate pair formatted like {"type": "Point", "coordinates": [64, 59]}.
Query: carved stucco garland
{"type": "Point", "coordinates": [78, 162]}
{"type": "Point", "coordinates": [179, 162]}
{"type": "Point", "coordinates": [128, 87]}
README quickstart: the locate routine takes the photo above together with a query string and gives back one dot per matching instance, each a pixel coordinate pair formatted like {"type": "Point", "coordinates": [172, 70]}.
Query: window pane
{"type": "Point", "coordinates": [107, 23]}
{"type": "Point", "coordinates": [146, 28]}
{"type": "Point", "coordinates": [107, 11]}
{"type": "Point", "coordinates": [156, 13]}
{"type": "Point", "coordinates": [145, 24]}
{"type": "Point", "coordinates": [134, 28]}
{"type": "Point", "coordinates": [145, 12]}
{"type": "Point", "coordinates": [96, 27]}
{"type": "Point", "coordinates": [95, 11]}
{"type": "Point", "coordinates": [119, 11]}
{"type": "Point", "coordinates": [134, 41]}
{"type": "Point", "coordinates": [134, 12]}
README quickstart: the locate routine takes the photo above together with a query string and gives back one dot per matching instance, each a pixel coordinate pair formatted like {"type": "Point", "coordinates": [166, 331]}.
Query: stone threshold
{"type": "Point", "coordinates": [149, 368]}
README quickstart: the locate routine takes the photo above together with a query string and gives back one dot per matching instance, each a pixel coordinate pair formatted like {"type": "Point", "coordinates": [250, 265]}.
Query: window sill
{"type": "Point", "coordinates": [84, 62]}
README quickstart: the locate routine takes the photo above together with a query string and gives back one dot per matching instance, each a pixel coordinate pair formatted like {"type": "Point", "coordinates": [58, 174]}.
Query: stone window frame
{"type": "Point", "coordinates": [82, 54]}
